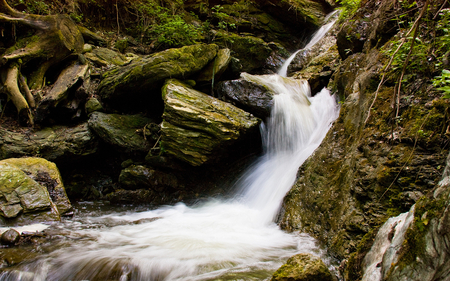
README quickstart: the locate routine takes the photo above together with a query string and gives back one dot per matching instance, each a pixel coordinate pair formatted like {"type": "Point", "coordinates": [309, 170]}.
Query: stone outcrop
{"type": "Point", "coordinates": [146, 75]}
{"type": "Point", "coordinates": [198, 128]}
{"type": "Point", "coordinates": [138, 176]}
{"type": "Point", "coordinates": [303, 267]}
{"type": "Point", "coordinates": [121, 131]}
{"type": "Point", "coordinates": [58, 143]}
{"type": "Point", "coordinates": [31, 191]}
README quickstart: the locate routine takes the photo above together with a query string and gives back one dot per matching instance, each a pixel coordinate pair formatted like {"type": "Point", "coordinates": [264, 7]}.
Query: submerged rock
{"type": "Point", "coordinates": [10, 237]}
{"type": "Point", "coordinates": [303, 267]}
{"type": "Point", "coordinates": [32, 191]}
{"type": "Point", "coordinates": [197, 128]}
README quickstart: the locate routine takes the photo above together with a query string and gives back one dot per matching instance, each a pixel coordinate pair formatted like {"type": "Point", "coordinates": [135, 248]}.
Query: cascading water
{"type": "Point", "coordinates": [234, 239]}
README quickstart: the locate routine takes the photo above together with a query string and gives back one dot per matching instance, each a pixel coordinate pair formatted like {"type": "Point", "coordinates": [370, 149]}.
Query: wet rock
{"type": "Point", "coordinates": [248, 95]}
{"type": "Point", "coordinates": [139, 196]}
{"type": "Point", "coordinates": [120, 131]}
{"type": "Point", "coordinates": [10, 237]}
{"type": "Point", "coordinates": [46, 174]}
{"type": "Point", "coordinates": [58, 143]}
{"type": "Point", "coordinates": [28, 187]}
{"type": "Point", "coordinates": [145, 75]}
{"type": "Point", "coordinates": [303, 267]}
{"type": "Point", "coordinates": [197, 128]}
{"type": "Point", "coordinates": [138, 176]}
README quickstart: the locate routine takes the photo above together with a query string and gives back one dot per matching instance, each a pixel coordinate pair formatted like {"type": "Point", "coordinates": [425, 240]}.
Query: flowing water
{"type": "Point", "coordinates": [235, 239]}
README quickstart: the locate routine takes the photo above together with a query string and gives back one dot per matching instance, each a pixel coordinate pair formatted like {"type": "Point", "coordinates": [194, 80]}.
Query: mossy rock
{"type": "Point", "coordinates": [303, 267]}
{"type": "Point", "coordinates": [59, 143]}
{"type": "Point", "coordinates": [197, 128]}
{"type": "Point", "coordinates": [144, 76]}
{"type": "Point", "coordinates": [120, 131]}
{"type": "Point", "coordinates": [251, 51]}
{"type": "Point", "coordinates": [31, 191]}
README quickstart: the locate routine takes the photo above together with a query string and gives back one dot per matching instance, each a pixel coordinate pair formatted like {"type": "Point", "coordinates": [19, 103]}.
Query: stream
{"type": "Point", "coordinates": [233, 239]}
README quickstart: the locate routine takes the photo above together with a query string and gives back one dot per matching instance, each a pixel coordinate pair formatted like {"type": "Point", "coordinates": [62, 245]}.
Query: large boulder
{"type": "Point", "coordinates": [197, 128]}
{"type": "Point", "coordinates": [303, 267]}
{"type": "Point", "coordinates": [252, 52]}
{"type": "Point", "coordinates": [248, 95]}
{"type": "Point", "coordinates": [57, 143]}
{"type": "Point", "coordinates": [120, 131]}
{"type": "Point", "coordinates": [31, 190]}
{"type": "Point", "coordinates": [254, 93]}
{"type": "Point", "coordinates": [144, 75]}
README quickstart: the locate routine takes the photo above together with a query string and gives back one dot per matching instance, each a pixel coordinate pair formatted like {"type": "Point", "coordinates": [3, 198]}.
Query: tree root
{"type": "Point", "coordinates": [11, 81]}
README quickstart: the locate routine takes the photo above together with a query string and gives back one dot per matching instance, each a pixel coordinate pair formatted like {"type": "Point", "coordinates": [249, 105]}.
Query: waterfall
{"type": "Point", "coordinates": [319, 34]}
{"type": "Point", "coordinates": [233, 239]}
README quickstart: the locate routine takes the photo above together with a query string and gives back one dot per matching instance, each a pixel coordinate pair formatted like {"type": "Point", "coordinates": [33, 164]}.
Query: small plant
{"type": "Point", "coordinates": [348, 8]}
{"type": "Point", "coordinates": [442, 83]}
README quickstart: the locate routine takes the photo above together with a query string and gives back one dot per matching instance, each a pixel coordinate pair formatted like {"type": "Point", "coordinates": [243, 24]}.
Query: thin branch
{"type": "Point", "coordinates": [403, 40]}
{"type": "Point", "coordinates": [440, 9]}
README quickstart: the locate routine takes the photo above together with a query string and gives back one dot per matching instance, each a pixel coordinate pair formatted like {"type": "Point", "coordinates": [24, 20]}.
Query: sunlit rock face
{"type": "Point", "coordinates": [31, 191]}
{"type": "Point", "coordinates": [197, 127]}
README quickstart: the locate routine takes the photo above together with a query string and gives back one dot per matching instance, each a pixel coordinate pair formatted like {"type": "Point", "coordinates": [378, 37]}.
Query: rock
{"type": "Point", "coordinates": [139, 196]}
{"type": "Point", "coordinates": [251, 51]}
{"type": "Point", "coordinates": [106, 57]}
{"type": "Point", "coordinates": [91, 37]}
{"type": "Point", "coordinates": [197, 128]}
{"type": "Point", "coordinates": [46, 174]}
{"type": "Point", "coordinates": [92, 105]}
{"type": "Point", "coordinates": [56, 144]}
{"type": "Point", "coordinates": [10, 237]}
{"type": "Point", "coordinates": [303, 267]}
{"type": "Point", "coordinates": [312, 12]}
{"type": "Point", "coordinates": [138, 176]}
{"type": "Point", "coordinates": [315, 52]}
{"type": "Point", "coordinates": [254, 94]}
{"type": "Point", "coordinates": [144, 75]}
{"type": "Point", "coordinates": [216, 67]}
{"type": "Point", "coordinates": [26, 184]}
{"type": "Point", "coordinates": [248, 95]}
{"type": "Point", "coordinates": [120, 131]}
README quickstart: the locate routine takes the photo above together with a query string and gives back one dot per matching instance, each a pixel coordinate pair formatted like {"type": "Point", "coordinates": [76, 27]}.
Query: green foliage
{"type": "Point", "coordinates": [163, 26]}
{"type": "Point", "coordinates": [443, 83]}
{"type": "Point", "coordinates": [348, 8]}
{"type": "Point", "coordinates": [223, 18]}
{"type": "Point", "coordinates": [36, 7]}
{"type": "Point", "coordinates": [429, 51]}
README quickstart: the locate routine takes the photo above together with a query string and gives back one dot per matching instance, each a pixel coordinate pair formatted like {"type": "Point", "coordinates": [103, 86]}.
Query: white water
{"type": "Point", "coordinates": [319, 34]}
{"type": "Point", "coordinates": [218, 240]}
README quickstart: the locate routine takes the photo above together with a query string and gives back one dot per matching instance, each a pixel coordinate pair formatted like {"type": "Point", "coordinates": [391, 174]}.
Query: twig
{"type": "Point", "coordinates": [440, 9]}
{"type": "Point", "coordinates": [157, 141]}
{"type": "Point", "coordinates": [117, 16]}
{"type": "Point", "coordinates": [409, 158]}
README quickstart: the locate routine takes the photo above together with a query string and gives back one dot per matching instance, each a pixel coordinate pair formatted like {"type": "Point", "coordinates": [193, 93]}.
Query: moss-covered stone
{"type": "Point", "coordinates": [58, 143]}
{"type": "Point", "coordinates": [31, 191]}
{"type": "Point", "coordinates": [197, 128]}
{"type": "Point", "coordinates": [303, 267]}
{"type": "Point", "coordinates": [138, 176]}
{"type": "Point", "coordinates": [121, 131]}
{"type": "Point", "coordinates": [47, 174]}
{"type": "Point", "coordinates": [146, 74]}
